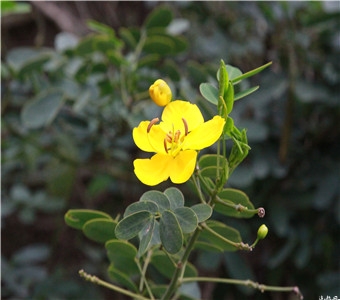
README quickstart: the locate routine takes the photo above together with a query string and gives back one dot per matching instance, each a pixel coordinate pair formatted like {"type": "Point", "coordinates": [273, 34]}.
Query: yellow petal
{"type": "Point", "coordinates": [160, 92]}
{"type": "Point", "coordinates": [154, 170]}
{"type": "Point", "coordinates": [149, 142]}
{"type": "Point", "coordinates": [205, 135]}
{"type": "Point", "coordinates": [183, 166]}
{"type": "Point", "coordinates": [175, 111]}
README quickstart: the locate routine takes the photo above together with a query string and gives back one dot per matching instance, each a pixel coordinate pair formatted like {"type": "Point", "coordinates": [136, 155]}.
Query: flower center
{"type": "Point", "coordinates": [173, 139]}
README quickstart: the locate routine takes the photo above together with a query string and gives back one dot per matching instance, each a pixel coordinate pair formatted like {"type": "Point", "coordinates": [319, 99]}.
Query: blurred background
{"type": "Point", "coordinates": [73, 89]}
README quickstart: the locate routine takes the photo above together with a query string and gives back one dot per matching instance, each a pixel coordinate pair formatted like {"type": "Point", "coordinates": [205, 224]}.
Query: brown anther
{"type": "Point", "coordinates": [152, 122]}
{"type": "Point", "coordinates": [185, 126]}
{"type": "Point", "coordinates": [165, 146]}
{"type": "Point", "coordinates": [177, 135]}
{"type": "Point", "coordinates": [169, 137]}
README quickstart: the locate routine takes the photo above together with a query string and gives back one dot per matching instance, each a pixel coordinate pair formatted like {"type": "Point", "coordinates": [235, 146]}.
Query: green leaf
{"type": "Point", "coordinates": [208, 165]}
{"type": "Point", "coordinates": [229, 97]}
{"type": "Point", "coordinates": [209, 171]}
{"type": "Point", "coordinates": [240, 148]}
{"type": "Point", "coordinates": [130, 226]}
{"type": "Point", "coordinates": [236, 198]}
{"type": "Point", "coordinates": [159, 17]}
{"type": "Point", "coordinates": [158, 290]}
{"type": "Point", "coordinates": [245, 93]}
{"type": "Point", "coordinates": [170, 68]}
{"type": "Point", "coordinates": [223, 80]}
{"type": "Point", "coordinates": [145, 237]}
{"type": "Point", "coordinates": [229, 126]}
{"type": "Point", "coordinates": [149, 60]}
{"type": "Point", "coordinates": [129, 36]}
{"type": "Point", "coordinates": [187, 219]}
{"type": "Point", "coordinates": [122, 255]}
{"type": "Point", "coordinates": [106, 43]}
{"type": "Point", "coordinates": [180, 44]}
{"type": "Point", "coordinates": [233, 73]}
{"type": "Point", "coordinates": [202, 211]}
{"type": "Point", "coordinates": [86, 46]}
{"type": "Point", "coordinates": [237, 79]}
{"type": "Point", "coordinates": [100, 27]}
{"type": "Point", "coordinates": [208, 160]}
{"type": "Point", "coordinates": [175, 197]}
{"type": "Point", "coordinates": [42, 109]}
{"type": "Point", "coordinates": [159, 44]}
{"type": "Point", "coordinates": [98, 184]}
{"type": "Point", "coordinates": [170, 232]}
{"type": "Point", "coordinates": [116, 57]}
{"type": "Point", "coordinates": [166, 267]}
{"type": "Point", "coordinates": [158, 198]}
{"type": "Point", "coordinates": [196, 72]}
{"type": "Point", "coordinates": [207, 246]}
{"type": "Point", "coordinates": [100, 230]}
{"type": "Point", "coordinates": [72, 90]}
{"type": "Point", "coordinates": [21, 58]}
{"type": "Point", "coordinates": [35, 64]}
{"type": "Point", "coordinates": [224, 231]}
{"type": "Point", "coordinates": [209, 92]}
{"type": "Point", "coordinates": [190, 291]}
{"type": "Point", "coordinates": [149, 206]}
{"type": "Point", "coordinates": [14, 7]}
{"type": "Point", "coordinates": [121, 278]}
{"type": "Point", "coordinates": [76, 218]}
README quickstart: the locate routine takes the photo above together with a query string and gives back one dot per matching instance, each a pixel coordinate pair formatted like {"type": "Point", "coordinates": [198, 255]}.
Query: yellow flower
{"type": "Point", "coordinates": [160, 92]}
{"type": "Point", "coordinates": [175, 140]}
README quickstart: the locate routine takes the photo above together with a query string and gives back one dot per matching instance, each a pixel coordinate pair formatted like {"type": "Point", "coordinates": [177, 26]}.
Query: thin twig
{"type": "Point", "coordinates": [249, 283]}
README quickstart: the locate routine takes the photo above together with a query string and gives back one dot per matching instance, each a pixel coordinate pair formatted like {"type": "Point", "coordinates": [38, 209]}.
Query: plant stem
{"type": "Point", "coordinates": [174, 281]}
{"type": "Point", "coordinates": [240, 246]}
{"type": "Point", "coordinates": [96, 280]}
{"type": "Point", "coordinates": [248, 282]}
{"type": "Point", "coordinates": [143, 272]}
{"type": "Point", "coordinates": [198, 188]}
{"type": "Point", "coordinates": [237, 207]}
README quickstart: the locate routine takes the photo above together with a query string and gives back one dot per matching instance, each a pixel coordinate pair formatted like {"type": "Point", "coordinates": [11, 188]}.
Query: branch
{"type": "Point", "coordinates": [249, 283]}
{"type": "Point", "coordinates": [65, 20]}
{"type": "Point", "coordinates": [96, 280]}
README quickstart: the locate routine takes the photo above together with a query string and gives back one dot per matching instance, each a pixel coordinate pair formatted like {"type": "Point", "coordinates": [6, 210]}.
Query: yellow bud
{"type": "Point", "coordinates": [262, 232]}
{"type": "Point", "coordinates": [160, 92]}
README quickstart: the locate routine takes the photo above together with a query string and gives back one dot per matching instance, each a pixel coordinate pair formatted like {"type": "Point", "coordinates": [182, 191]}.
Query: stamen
{"type": "Point", "coordinates": [169, 137]}
{"type": "Point", "coordinates": [177, 135]}
{"type": "Point", "coordinates": [165, 146]}
{"type": "Point", "coordinates": [152, 122]}
{"type": "Point", "coordinates": [185, 126]}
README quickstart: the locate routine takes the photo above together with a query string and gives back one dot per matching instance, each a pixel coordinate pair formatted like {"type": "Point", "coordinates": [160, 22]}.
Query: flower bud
{"type": "Point", "coordinates": [262, 232]}
{"type": "Point", "coordinates": [160, 92]}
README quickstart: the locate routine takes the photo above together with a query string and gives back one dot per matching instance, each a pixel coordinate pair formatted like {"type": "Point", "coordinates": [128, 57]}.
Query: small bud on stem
{"type": "Point", "coordinates": [261, 234]}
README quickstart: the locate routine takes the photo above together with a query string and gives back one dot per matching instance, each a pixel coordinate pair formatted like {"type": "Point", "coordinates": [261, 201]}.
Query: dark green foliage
{"type": "Point", "coordinates": [67, 116]}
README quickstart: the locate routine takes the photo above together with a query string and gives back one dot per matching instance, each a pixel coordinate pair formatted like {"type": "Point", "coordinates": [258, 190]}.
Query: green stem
{"type": "Point", "coordinates": [237, 207]}
{"type": "Point", "coordinates": [241, 245]}
{"type": "Point", "coordinates": [143, 272]}
{"type": "Point", "coordinates": [218, 159]}
{"type": "Point", "coordinates": [198, 188]}
{"type": "Point", "coordinates": [248, 282]}
{"type": "Point", "coordinates": [174, 281]}
{"type": "Point", "coordinates": [96, 280]}
{"type": "Point", "coordinates": [126, 78]}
